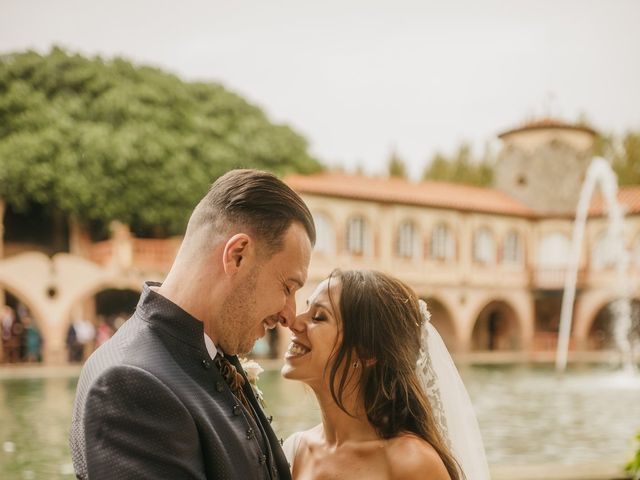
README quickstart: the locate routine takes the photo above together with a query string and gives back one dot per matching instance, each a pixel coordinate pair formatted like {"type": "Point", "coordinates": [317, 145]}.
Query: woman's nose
{"type": "Point", "coordinates": [298, 323]}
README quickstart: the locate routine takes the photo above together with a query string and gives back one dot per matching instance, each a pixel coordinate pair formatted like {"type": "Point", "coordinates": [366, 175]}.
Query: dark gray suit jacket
{"type": "Point", "coordinates": [150, 403]}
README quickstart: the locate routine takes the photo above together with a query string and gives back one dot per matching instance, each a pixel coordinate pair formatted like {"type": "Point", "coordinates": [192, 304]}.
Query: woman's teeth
{"type": "Point", "coordinates": [297, 350]}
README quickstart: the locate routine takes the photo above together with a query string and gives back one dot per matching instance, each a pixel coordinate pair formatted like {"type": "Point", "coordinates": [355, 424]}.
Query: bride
{"type": "Point", "coordinates": [367, 350]}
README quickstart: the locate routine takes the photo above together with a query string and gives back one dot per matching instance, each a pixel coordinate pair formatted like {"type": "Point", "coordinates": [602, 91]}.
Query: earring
{"type": "Point", "coordinates": [355, 364]}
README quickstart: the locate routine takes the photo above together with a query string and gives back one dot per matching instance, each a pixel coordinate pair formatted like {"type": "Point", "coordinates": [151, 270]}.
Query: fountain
{"type": "Point", "coordinates": [601, 173]}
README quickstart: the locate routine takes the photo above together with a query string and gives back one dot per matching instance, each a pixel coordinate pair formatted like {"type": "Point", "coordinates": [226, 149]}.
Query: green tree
{"type": "Point", "coordinates": [104, 140]}
{"type": "Point", "coordinates": [626, 159]}
{"type": "Point", "coordinates": [396, 166]}
{"type": "Point", "coordinates": [461, 168]}
{"type": "Point", "coordinates": [624, 154]}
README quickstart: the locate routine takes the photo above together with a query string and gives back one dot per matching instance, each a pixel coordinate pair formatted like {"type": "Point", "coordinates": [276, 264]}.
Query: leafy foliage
{"type": "Point", "coordinates": [106, 140]}
{"type": "Point", "coordinates": [461, 168]}
{"type": "Point", "coordinates": [633, 466]}
{"type": "Point", "coordinates": [396, 166]}
{"type": "Point", "coordinates": [624, 153]}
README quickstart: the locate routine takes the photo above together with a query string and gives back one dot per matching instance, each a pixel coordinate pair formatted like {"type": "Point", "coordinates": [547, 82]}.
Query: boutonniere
{"type": "Point", "coordinates": [253, 370]}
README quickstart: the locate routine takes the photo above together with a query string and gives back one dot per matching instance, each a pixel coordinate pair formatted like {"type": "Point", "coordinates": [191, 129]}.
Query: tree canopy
{"type": "Point", "coordinates": [624, 153]}
{"type": "Point", "coordinates": [396, 166]}
{"type": "Point", "coordinates": [461, 168]}
{"type": "Point", "coordinates": [105, 140]}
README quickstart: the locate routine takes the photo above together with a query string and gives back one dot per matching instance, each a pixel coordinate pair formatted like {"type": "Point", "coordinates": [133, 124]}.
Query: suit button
{"type": "Point", "coordinates": [220, 385]}
{"type": "Point", "coordinates": [262, 460]}
{"type": "Point", "coordinates": [249, 433]}
{"type": "Point", "coordinates": [237, 409]}
{"type": "Point", "coordinates": [206, 364]}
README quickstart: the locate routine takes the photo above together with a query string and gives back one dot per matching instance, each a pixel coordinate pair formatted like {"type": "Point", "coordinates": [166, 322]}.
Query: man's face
{"type": "Point", "coordinates": [265, 293]}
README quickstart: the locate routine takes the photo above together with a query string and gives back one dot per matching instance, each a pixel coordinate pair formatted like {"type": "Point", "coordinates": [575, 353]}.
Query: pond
{"type": "Point", "coordinates": [527, 415]}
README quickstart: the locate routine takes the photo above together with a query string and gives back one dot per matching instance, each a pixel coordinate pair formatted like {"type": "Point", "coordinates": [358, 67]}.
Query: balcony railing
{"type": "Point", "coordinates": [154, 254]}
{"type": "Point", "coordinates": [553, 278]}
{"type": "Point", "coordinates": [100, 252]}
{"type": "Point", "coordinates": [139, 253]}
{"type": "Point", "coordinates": [548, 341]}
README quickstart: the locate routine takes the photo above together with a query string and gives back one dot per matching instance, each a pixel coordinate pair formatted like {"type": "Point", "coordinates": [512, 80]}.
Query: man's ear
{"type": "Point", "coordinates": [236, 252]}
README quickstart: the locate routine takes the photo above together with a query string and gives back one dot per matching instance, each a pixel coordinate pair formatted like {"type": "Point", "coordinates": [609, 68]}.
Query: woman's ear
{"type": "Point", "coordinates": [236, 252]}
{"type": "Point", "coordinates": [370, 362]}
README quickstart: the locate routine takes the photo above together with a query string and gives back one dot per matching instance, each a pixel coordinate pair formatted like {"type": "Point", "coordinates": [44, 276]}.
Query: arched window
{"type": "Point", "coordinates": [484, 246]}
{"type": "Point", "coordinates": [512, 249]}
{"type": "Point", "coordinates": [358, 236]}
{"type": "Point", "coordinates": [442, 243]}
{"type": "Point", "coordinates": [554, 251]}
{"type": "Point", "coordinates": [603, 253]}
{"type": "Point", "coordinates": [325, 234]}
{"type": "Point", "coordinates": [407, 245]}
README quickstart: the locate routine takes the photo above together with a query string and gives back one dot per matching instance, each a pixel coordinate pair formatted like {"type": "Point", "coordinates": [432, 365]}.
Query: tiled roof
{"type": "Point", "coordinates": [629, 197]}
{"type": "Point", "coordinates": [395, 190]}
{"type": "Point", "coordinates": [545, 123]}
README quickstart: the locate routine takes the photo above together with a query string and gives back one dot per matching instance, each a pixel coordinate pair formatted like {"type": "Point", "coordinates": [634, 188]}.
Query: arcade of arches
{"type": "Point", "coordinates": [58, 309]}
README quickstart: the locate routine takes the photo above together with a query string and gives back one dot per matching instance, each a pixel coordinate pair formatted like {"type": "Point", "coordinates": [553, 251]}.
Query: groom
{"type": "Point", "coordinates": [164, 398]}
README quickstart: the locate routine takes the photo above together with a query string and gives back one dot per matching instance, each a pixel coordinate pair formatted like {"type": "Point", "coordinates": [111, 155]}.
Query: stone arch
{"type": "Point", "coordinates": [599, 335]}
{"type": "Point", "coordinates": [444, 322]}
{"type": "Point", "coordinates": [25, 299]}
{"type": "Point", "coordinates": [497, 327]}
{"type": "Point", "coordinates": [91, 290]}
{"type": "Point", "coordinates": [22, 346]}
{"type": "Point", "coordinates": [84, 306]}
{"type": "Point", "coordinates": [14, 280]}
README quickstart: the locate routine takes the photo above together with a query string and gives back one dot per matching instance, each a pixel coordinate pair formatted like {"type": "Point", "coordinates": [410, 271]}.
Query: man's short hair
{"type": "Point", "coordinates": [256, 200]}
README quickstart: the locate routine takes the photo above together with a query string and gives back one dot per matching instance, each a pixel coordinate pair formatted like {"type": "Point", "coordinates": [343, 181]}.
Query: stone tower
{"type": "Point", "coordinates": [543, 164]}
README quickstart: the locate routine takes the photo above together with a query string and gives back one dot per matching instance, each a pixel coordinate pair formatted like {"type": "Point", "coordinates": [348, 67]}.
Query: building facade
{"type": "Point", "coordinates": [490, 262]}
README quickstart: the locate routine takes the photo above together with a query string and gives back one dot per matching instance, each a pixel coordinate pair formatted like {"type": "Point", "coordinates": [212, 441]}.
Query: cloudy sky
{"type": "Point", "coordinates": [360, 78]}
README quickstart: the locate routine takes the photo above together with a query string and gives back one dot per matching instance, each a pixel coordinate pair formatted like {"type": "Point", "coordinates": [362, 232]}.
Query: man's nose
{"type": "Point", "coordinates": [288, 313]}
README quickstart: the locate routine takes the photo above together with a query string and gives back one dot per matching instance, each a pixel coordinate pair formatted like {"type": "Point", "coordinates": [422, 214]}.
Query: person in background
{"type": "Point", "coordinates": [6, 320]}
{"type": "Point", "coordinates": [32, 341]}
{"type": "Point", "coordinates": [103, 333]}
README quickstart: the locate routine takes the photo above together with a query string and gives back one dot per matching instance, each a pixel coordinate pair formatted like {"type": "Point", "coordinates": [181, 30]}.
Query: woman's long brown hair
{"type": "Point", "coordinates": [381, 330]}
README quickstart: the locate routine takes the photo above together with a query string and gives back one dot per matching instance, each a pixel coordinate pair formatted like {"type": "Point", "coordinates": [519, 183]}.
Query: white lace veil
{"type": "Point", "coordinates": [450, 401]}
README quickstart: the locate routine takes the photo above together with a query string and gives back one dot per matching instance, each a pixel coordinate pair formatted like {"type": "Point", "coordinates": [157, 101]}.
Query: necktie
{"type": "Point", "coordinates": [234, 379]}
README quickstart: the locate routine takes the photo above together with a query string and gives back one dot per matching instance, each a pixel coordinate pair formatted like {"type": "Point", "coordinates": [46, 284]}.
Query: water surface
{"type": "Point", "coordinates": [526, 415]}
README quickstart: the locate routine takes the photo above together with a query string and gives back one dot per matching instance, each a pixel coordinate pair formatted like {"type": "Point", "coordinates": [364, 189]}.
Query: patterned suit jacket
{"type": "Point", "coordinates": [150, 403]}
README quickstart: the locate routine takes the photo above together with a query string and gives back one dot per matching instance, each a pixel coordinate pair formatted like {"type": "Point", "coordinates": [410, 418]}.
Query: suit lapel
{"type": "Point", "coordinates": [275, 453]}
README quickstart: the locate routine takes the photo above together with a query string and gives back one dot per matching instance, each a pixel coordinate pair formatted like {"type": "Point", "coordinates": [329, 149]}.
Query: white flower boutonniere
{"type": "Point", "coordinates": [253, 371]}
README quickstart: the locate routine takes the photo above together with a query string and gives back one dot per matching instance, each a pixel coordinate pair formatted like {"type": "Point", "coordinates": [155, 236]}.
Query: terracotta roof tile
{"type": "Point", "coordinates": [394, 190]}
{"type": "Point", "coordinates": [629, 197]}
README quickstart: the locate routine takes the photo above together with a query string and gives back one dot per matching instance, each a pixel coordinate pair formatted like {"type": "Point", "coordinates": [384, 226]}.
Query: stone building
{"type": "Point", "coordinates": [490, 262]}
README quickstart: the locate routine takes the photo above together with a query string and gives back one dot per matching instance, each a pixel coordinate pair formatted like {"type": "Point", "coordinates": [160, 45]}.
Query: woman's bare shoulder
{"type": "Point", "coordinates": [306, 435]}
{"type": "Point", "coordinates": [411, 457]}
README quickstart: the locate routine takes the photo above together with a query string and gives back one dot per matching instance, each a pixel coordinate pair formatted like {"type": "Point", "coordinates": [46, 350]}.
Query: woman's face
{"type": "Point", "coordinates": [315, 336]}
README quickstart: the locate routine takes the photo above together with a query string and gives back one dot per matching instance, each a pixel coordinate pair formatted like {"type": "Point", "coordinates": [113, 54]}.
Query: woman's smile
{"type": "Point", "coordinates": [296, 350]}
